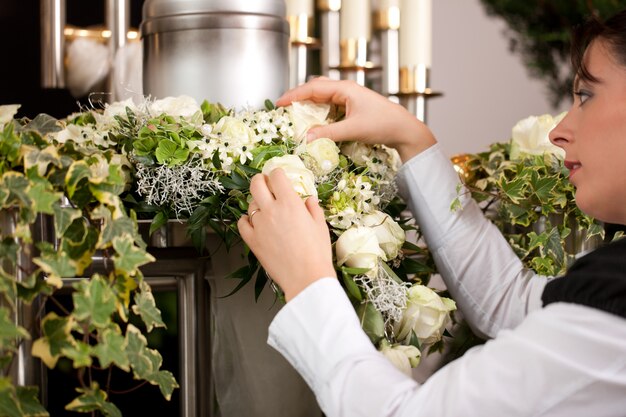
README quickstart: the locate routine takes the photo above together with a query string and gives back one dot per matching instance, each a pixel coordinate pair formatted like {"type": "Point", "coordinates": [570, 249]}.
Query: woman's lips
{"type": "Point", "coordinates": [573, 166]}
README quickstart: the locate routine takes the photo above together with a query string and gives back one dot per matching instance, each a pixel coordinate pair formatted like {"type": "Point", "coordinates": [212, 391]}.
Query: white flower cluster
{"type": "Point", "coordinates": [184, 159]}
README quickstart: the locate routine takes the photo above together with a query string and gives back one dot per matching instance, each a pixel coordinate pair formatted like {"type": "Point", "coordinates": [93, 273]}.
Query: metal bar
{"type": "Point", "coordinates": [117, 19]}
{"type": "Point", "coordinates": [52, 20]}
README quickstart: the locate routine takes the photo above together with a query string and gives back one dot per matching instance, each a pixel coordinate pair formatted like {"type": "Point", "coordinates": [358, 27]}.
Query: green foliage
{"type": "Point", "coordinates": [541, 31]}
{"type": "Point", "coordinates": [532, 202]}
{"type": "Point", "coordinates": [80, 188]}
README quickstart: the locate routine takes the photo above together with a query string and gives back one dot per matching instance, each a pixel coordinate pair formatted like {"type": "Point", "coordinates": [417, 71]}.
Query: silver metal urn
{"type": "Point", "coordinates": [235, 52]}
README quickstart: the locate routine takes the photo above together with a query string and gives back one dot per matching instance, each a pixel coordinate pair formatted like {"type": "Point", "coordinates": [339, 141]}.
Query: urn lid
{"type": "Point", "coordinates": [163, 8]}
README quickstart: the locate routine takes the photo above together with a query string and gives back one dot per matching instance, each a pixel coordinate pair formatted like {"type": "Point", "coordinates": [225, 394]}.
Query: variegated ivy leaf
{"type": "Point", "coordinates": [109, 199]}
{"type": "Point", "coordinates": [56, 337]}
{"type": "Point", "coordinates": [56, 266]}
{"type": "Point", "coordinates": [20, 401]}
{"type": "Point", "coordinates": [80, 354]}
{"type": "Point", "coordinates": [64, 217]}
{"type": "Point", "coordinates": [41, 159]}
{"type": "Point", "coordinates": [17, 186]}
{"type": "Point", "coordinates": [78, 170]}
{"type": "Point", "coordinates": [146, 363]}
{"type": "Point", "coordinates": [136, 348]}
{"type": "Point", "coordinates": [93, 399]}
{"type": "Point", "coordinates": [94, 300]}
{"type": "Point", "coordinates": [123, 286]}
{"type": "Point", "coordinates": [111, 349]}
{"type": "Point", "coordinates": [43, 197]}
{"type": "Point", "coordinates": [8, 250]}
{"type": "Point", "coordinates": [128, 257]}
{"type": "Point", "coordinates": [8, 287]}
{"type": "Point", "coordinates": [9, 332]}
{"type": "Point", "coordinates": [146, 308]}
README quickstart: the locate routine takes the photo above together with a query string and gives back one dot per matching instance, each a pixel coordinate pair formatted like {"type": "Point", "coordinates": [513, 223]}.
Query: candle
{"type": "Point", "coordinates": [415, 33]}
{"type": "Point", "coordinates": [383, 5]}
{"type": "Point", "coordinates": [298, 7]}
{"type": "Point", "coordinates": [355, 19]}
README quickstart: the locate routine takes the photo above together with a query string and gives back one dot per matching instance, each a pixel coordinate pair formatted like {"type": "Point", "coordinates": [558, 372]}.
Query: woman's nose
{"type": "Point", "coordinates": [561, 135]}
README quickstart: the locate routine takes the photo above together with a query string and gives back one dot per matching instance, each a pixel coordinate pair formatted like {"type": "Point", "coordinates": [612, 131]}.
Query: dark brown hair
{"type": "Point", "coordinates": [612, 31]}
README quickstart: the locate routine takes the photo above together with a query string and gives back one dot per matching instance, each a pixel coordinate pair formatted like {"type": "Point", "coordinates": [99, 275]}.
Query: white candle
{"type": "Point", "coordinates": [416, 33]}
{"type": "Point", "coordinates": [298, 7]}
{"type": "Point", "coordinates": [355, 19]}
{"type": "Point", "coordinates": [382, 5]}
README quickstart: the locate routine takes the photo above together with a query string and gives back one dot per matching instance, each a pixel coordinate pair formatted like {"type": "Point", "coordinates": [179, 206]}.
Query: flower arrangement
{"type": "Point", "coordinates": [524, 188]}
{"type": "Point", "coordinates": [97, 171]}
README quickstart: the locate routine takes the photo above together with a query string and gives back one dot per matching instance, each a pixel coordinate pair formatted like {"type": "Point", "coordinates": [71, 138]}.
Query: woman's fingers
{"type": "Point", "coordinates": [260, 191]}
{"type": "Point", "coordinates": [319, 90]}
{"type": "Point", "coordinates": [281, 186]}
{"type": "Point", "coordinates": [347, 129]}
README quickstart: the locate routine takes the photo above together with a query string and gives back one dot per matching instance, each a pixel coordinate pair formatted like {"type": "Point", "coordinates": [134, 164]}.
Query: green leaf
{"type": "Point", "coordinates": [146, 308]}
{"type": "Point", "coordinates": [10, 333]}
{"type": "Point", "coordinates": [169, 153]}
{"type": "Point", "coordinates": [136, 345]}
{"type": "Point", "coordinates": [93, 399]}
{"type": "Point", "coordinates": [28, 398]}
{"type": "Point", "coordinates": [269, 105]}
{"type": "Point", "coordinates": [94, 300]}
{"type": "Point", "coordinates": [17, 186]}
{"type": "Point", "coordinates": [543, 186]}
{"type": "Point", "coordinates": [44, 198]}
{"type": "Point", "coordinates": [80, 354]}
{"type": "Point", "coordinates": [128, 257]}
{"type": "Point", "coordinates": [57, 266]}
{"type": "Point", "coordinates": [245, 274]}
{"type": "Point", "coordinates": [111, 349]}
{"type": "Point", "coordinates": [56, 337]}
{"type": "Point", "coordinates": [372, 322]}
{"type": "Point", "coordinates": [351, 286]}
{"type": "Point", "coordinates": [259, 284]}
{"type": "Point", "coordinates": [514, 190]}
{"type": "Point", "coordinates": [43, 124]}
{"type": "Point", "coordinates": [78, 171]}
{"type": "Point", "coordinates": [9, 404]}
{"type": "Point", "coordinates": [64, 217]}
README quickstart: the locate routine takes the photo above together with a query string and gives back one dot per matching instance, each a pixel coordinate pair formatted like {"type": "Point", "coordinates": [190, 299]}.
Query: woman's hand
{"type": "Point", "coordinates": [288, 236]}
{"type": "Point", "coordinates": [370, 117]}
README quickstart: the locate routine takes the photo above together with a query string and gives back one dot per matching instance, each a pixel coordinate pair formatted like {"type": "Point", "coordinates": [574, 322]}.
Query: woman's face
{"type": "Point", "coordinates": [593, 135]}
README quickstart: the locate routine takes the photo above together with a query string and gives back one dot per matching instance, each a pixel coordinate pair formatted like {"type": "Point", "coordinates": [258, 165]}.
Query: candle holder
{"type": "Point", "coordinates": [300, 28]}
{"type": "Point", "coordinates": [387, 23]}
{"type": "Point", "coordinates": [330, 55]}
{"type": "Point", "coordinates": [353, 63]}
{"type": "Point", "coordinates": [414, 91]}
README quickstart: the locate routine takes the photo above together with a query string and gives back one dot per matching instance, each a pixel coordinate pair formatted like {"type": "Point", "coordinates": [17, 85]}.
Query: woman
{"type": "Point", "coordinates": [559, 346]}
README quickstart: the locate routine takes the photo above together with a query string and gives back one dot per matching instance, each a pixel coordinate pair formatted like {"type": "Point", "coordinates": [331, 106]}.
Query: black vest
{"type": "Point", "coordinates": [596, 280]}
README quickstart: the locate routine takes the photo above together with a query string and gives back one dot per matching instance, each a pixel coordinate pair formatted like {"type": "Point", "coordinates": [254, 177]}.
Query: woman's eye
{"type": "Point", "coordinates": [582, 95]}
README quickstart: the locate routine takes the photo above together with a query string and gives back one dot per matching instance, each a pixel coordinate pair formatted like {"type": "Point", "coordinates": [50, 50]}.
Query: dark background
{"type": "Point", "coordinates": [20, 72]}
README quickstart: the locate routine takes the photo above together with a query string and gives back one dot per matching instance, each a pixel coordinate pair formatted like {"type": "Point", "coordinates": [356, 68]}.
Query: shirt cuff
{"type": "Point", "coordinates": [316, 331]}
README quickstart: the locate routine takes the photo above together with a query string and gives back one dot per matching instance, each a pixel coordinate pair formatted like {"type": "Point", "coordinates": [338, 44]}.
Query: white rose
{"type": "Point", "coordinates": [182, 106]}
{"type": "Point", "coordinates": [234, 129]}
{"type": "Point", "coordinates": [530, 136]}
{"type": "Point", "coordinates": [358, 152]}
{"type": "Point", "coordinates": [358, 247]}
{"type": "Point", "coordinates": [402, 357]}
{"type": "Point", "coordinates": [301, 178]}
{"type": "Point", "coordinates": [325, 155]}
{"type": "Point", "coordinates": [426, 313]}
{"type": "Point", "coordinates": [7, 112]}
{"type": "Point", "coordinates": [390, 235]}
{"type": "Point", "coordinates": [305, 115]}
{"type": "Point", "coordinates": [118, 108]}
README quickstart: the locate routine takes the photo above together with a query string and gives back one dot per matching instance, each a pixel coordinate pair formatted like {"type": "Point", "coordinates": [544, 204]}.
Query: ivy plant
{"type": "Point", "coordinates": [80, 191]}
